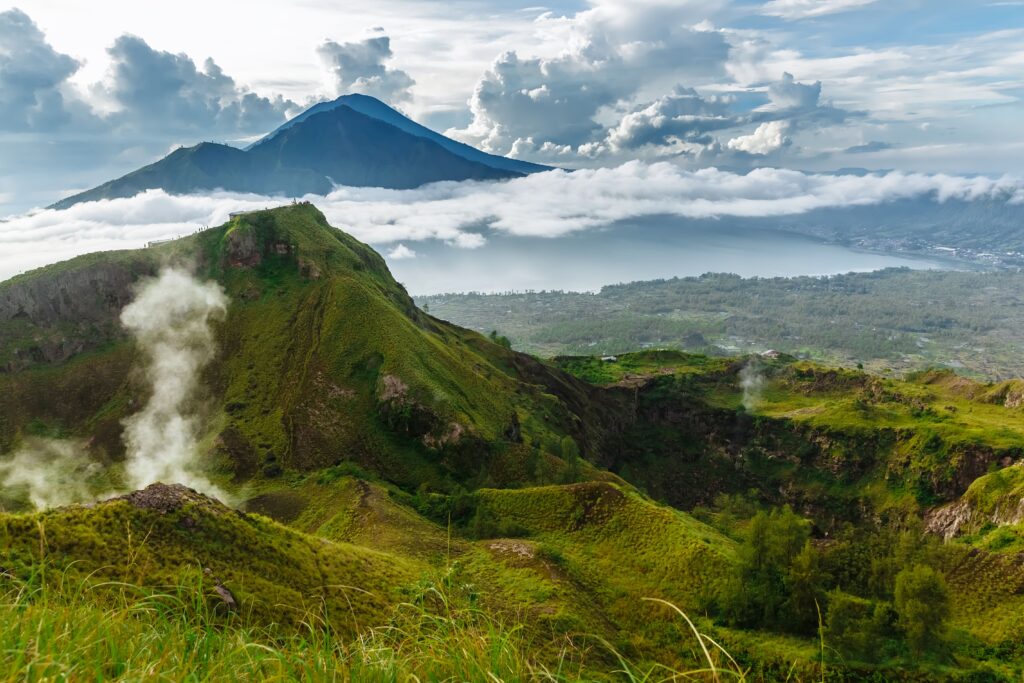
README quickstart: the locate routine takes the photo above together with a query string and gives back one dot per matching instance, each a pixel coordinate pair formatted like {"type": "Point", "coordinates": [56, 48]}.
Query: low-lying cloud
{"type": "Point", "coordinates": [548, 204]}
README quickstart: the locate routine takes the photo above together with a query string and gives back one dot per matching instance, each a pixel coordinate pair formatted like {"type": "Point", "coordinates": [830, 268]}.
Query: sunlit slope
{"type": "Point", "coordinates": [170, 540]}
{"type": "Point", "coordinates": [323, 358]}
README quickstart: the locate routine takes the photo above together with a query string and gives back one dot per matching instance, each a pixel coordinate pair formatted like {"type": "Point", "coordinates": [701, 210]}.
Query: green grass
{"type": "Point", "coordinates": [323, 359]}
{"type": "Point", "coordinates": [356, 422]}
{"type": "Point", "coordinates": [59, 629]}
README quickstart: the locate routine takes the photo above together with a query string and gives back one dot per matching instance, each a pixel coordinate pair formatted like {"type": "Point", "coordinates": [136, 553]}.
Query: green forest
{"type": "Point", "coordinates": [894, 320]}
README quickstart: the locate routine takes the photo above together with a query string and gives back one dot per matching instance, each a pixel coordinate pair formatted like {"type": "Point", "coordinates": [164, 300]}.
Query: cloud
{"type": "Point", "coordinates": [683, 122]}
{"type": "Point", "coordinates": [359, 67]}
{"type": "Point", "coordinates": [769, 137]}
{"type": "Point", "coordinates": [805, 9]}
{"type": "Point", "coordinates": [868, 147]}
{"type": "Point", "coordinates": [401, 252]}
{"type": "Point", "coordinates": [549, 204]}
{"type": "Point", "coordinates": [613, 51]}
{"type": "Point", "coordinates": [788, 94]}
{"type": "Point", "coordinates": [167, 93]}
{"type": "Point", "coordinates": [32, 77]}
{"type": "Point", "coordinates": [683, 115]}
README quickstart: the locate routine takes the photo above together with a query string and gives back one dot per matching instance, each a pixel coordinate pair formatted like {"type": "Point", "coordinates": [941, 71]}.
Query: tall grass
{"type": "Point", "coordinates": [52, 629]}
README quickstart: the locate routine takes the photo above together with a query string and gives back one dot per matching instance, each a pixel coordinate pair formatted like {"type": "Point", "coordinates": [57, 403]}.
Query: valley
{"type": "Point", "coordinates": [891, 322]}
{"type": "Point", "coordinates": [404, 495]}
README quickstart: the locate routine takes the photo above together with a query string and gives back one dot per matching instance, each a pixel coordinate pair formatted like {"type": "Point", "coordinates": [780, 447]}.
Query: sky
{"type": "Point", "coordinates": [90, 91]}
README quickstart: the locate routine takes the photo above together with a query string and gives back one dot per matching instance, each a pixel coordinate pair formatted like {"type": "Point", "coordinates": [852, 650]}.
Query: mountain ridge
{"type": "Point", "coordinates": [371, 106]}
{"type": "Point", "coordinates": [327, 145]}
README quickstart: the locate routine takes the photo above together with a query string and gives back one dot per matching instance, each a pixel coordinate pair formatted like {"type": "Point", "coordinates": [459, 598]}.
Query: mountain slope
{"type": "Point", "coordinates": [429, 466]}
{"type": "Point", "coordinates": [355, 141]}
{"type": "Point", "coordinates": [323, 358]}
{"type": "Point", "coordinates": [353, 149]}
{"type": "Point", "coordinates": [205, 167]}
{"type": "Point", "coordinates": [371, 106]}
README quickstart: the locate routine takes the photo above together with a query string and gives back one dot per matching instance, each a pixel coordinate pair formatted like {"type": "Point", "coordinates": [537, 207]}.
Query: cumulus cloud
{"type": "Point", "coordinates": [401, 252]}
{"type": "Point", "coordinates": [684, 115]}
{"type": "Point", "coordinates": [685, 122]}
{"type": "Point", "coordinates": [359, 67]}
{"type": "Point", "coordinates": [547, 204]}
{"type": "Point", "coordinates": [788, 94]}
{"type": "Point", "coordinates": [613, 51]}
{"type": "Point", "coordinates": [32, 77]}
{"type": "Point", "coordinates": [804, 9]}
{"type": "Point", "coordinates": [164, 92]}
{"type": "Point", "coordinates": [769, 137]}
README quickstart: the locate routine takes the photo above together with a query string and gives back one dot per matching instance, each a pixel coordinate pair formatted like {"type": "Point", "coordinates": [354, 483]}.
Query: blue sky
{"type": "Point", "coordinates": [89, 91]}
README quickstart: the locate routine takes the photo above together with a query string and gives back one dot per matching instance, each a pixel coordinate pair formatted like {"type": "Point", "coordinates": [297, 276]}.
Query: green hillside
{"type": "Point", "coordinates": [410, 498]}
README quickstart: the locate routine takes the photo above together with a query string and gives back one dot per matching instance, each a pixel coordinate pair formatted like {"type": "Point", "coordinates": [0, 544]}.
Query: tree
{"type": "Point", "coordinates": [500, 340]}
{"type": "Point", "coordinates": [922, 603]}
{"type": "Point", "coordinates": [778, 576]}
{"type": "Point", "coordinates": [804, 583]}
{"type": "Point", "coordinates": [571, 455]}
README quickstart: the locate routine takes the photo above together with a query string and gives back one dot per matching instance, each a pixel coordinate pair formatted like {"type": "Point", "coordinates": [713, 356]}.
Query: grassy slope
{"type": "Point", "coordinates": [324, 358]}
{"type": "Point", "coordinates": [316, 325]}
{"type": "Point", "coordinates": [833, 434]}
{"type": "Point", "coordinates": [880, 445]}
{"type": "Point", "coordinates": [274, 573]}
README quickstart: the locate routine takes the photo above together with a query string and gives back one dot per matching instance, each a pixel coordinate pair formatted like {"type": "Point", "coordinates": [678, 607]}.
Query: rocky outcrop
{"type": "Point", "coordinates": [961, 517]}
{"type": "Point", "coordinates": [91, 294]}
{"type": "Point", "coordinates": [50, 318]}
{"type": "Point", "coordinates": [948, 521]}
{"type": "Point", "coordinates": [165, 498]}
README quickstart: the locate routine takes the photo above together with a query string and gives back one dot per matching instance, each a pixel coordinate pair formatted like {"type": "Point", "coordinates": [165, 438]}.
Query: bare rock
{"type": "Point", "coordinates": [165, 498]}
{"type": "Point", "coordinates": [222, 591]}
{"type": "Point", "coordinates": [949, 520]}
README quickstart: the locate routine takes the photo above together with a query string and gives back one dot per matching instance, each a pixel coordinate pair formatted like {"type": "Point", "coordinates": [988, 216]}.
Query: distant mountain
{"type": "Point", "coordinates": [208, 166]}
{"type": "Point", "coordinates": [371, 106]}
{"type": "Point", "coordinates": [354, 140]}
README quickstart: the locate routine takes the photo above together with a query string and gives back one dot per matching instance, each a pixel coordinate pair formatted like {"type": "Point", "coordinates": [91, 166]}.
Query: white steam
{"type": "Point", "coordinates": [50, 473]}
{"type": "Point", "coordinates": [171, 321]}
{"type": "Point", "coordinates": [752, 383]}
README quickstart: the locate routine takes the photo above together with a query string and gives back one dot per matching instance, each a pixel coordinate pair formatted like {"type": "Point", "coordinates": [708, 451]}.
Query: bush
{"type": "Point", "coordinates": [859, 629]}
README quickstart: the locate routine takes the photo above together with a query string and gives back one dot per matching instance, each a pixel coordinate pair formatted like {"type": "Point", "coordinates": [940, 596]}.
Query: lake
{"type": "Point", "coordinates": [646, 249]}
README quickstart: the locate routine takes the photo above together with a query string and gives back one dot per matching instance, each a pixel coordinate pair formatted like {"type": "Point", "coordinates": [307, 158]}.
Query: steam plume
{"type": "Point", "coordinates": [170, 319]}
{"type": "Point", "coordinates": [50, 473]}
{"type": "Point", "coordinates": [752, 382]}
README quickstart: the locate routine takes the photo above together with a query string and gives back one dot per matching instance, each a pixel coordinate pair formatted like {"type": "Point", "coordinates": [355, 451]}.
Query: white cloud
{"type": "Point", "coordinates": [163, 93]}
{"type": "Point", "coordinates": [612, 52]}
{"type": "Point", "coordinates": [683, 115]}
{"type": "Point", "coordinates": [804, 9]}
{"type": "Point", "coordinates": [547, 204]}
{"type": "Point", "coordinates": [401, 252]}
{"type": "Point", "coordinates": [769, 137]}
{"type": "Point", "coordinates": [359, 67]}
